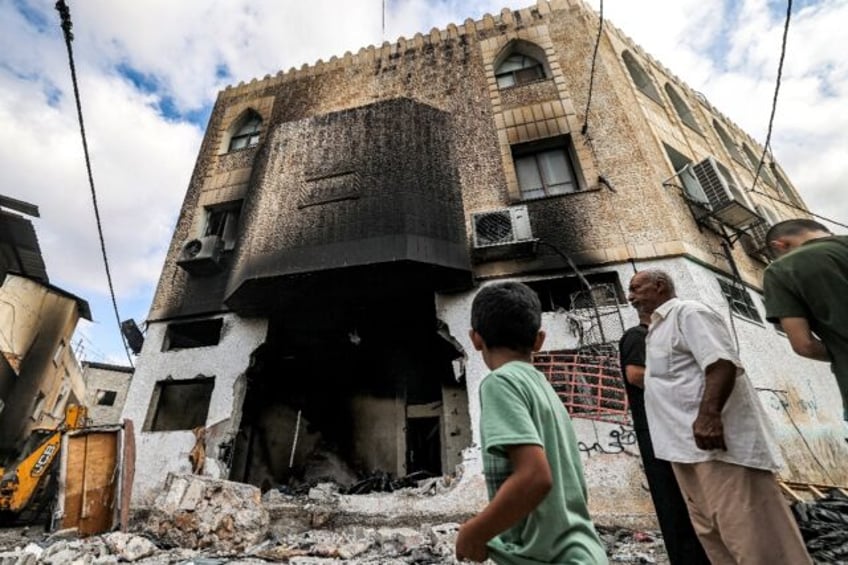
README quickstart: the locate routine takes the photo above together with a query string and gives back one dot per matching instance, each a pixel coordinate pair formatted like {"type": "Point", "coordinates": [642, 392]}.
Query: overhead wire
{"type": "Point", "coordinates": [67, 25]}
{"type": "Point", "coordinates": [767, 144]}
{"type": "Point", "coordinates": [796, 207]}
{"type": "Point", "coordinates": [592, 70]}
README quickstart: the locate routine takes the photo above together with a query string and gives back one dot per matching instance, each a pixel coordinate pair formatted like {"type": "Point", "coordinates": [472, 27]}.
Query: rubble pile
{"type": "Point", "coordinates": [824, 526]}
{"type": "Point", "coordinates": [424, 545]}
{"type": "Point", "coordinates": [197, 512]}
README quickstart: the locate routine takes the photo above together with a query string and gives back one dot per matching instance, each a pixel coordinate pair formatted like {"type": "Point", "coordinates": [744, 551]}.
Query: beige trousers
{"type": "Point", "coordinates": [740, 515]}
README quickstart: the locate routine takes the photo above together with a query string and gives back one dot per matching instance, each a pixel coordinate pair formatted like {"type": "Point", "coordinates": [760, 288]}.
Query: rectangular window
{"type": "Point", "coordinates": [186, 335]}
{"type": "Point", "coordinates": [565, 293]}
{"type": "Point", "coordinates": [739, 299]}
{"type": "Point", "coordinates": [545, 170]}
{"type": "Point", "coordinates": [223, 220]}
{"type": "Point", "coordinates": [105, 397]}
{"type": "Point", "coordinates": [179, 405]}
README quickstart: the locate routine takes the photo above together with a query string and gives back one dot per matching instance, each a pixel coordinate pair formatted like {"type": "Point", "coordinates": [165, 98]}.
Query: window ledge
{"type": "Point", "coordinates": [555, 196]}
{"type": "Point", "coordinates": [528, 83]}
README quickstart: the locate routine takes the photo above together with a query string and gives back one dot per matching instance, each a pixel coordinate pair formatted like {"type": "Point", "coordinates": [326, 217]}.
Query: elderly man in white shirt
{"type": "Point", "coordinates": [706, 420]}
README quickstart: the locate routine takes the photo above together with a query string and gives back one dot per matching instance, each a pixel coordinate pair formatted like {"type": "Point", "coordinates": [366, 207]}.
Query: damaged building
{"type": "Point", "coordinates": [312, 314]}
{"type": "Point", "coordinates": [39, 374]}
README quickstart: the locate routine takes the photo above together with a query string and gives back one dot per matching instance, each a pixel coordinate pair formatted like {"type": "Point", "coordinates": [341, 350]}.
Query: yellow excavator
{"type": "Point", "coordinates": [27, 486]}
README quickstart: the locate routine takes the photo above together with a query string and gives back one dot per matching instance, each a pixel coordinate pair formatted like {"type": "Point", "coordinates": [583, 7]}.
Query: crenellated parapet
{"type": "Point", "coordinates": [470, 30]}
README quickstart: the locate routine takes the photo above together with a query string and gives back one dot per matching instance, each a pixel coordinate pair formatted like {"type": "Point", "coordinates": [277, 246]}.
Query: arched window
{"type": "Point", "coordinates": [640, 77]}
{"type": "Point", "coordinates": [518, 69]}
{"type": "Point", "coordinates": [728, 142]}
{"type": "Point", "coordinates": [682, 108]}
{"type": "Point", "coordinates": [247, 134]}
{"type": "Point", "coordinates": [755, 161]}
{"type": "Point", "coordinates": [788, 191]}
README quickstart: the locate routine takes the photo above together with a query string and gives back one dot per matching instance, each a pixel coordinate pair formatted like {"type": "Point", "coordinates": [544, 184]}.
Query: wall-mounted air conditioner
{"type": "Point", "coordinates": [502, 233]}
{"type": "Point", "coordinates": [202, 255]}
{"type": "Point", "coordinates": [722, 195]}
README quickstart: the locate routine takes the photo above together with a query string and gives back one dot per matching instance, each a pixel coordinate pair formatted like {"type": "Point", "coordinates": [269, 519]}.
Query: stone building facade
{"type": "Point", "coordinates": [316, 294]}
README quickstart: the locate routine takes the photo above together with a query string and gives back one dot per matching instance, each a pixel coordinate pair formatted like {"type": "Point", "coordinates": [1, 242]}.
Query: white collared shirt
{"type": "Point", "coordinates": [684, 338]}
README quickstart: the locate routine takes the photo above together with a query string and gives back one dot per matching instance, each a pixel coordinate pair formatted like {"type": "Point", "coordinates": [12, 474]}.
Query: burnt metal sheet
{"type": "Point", "coordinates": [19, 249]}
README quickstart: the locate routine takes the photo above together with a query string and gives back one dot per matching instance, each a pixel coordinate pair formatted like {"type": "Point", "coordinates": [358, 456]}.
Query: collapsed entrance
{"type": "Point", "coordinates": [346, 388]}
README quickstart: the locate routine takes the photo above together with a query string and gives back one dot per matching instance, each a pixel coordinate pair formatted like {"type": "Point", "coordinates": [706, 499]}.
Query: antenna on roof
{"type": "Point", "coordinates": [383, 37]}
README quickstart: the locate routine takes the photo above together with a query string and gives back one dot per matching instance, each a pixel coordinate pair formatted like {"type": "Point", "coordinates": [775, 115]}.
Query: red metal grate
{"type": "Point", "coordinates": [589, 384]}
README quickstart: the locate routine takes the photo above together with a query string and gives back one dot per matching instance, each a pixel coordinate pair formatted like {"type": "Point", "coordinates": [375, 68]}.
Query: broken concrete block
{"type": "Point", "coordinates": [323, 492]}
{"type": "Point", "coordinates": [129, 547]}
{"type": "Point", "coordinates": [198, 512]}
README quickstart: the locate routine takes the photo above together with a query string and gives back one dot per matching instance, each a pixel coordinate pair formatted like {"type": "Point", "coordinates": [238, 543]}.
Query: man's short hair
{"type": "Point", "coordinates": [657, 275]}
{"type": "Point", "coordinates": [793, 227]}
{"type": "Point", "coordinates": [507, 315]}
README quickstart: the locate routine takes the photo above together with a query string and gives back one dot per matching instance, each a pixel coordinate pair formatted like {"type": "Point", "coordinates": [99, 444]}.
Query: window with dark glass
{"type": "Point", "coordinates": [739, 300]}
{"type": "Point", "coordinates": [248, 134]}
{"type": "Point", "coordinates": [640, 77]}
{"type": "Point", "coordinates": [755, 161]}
{"type": "Point", "coordinates": [728, 143]}
{"type": "Point", "coordinates": [682, 108]}
{"type": "Point", "coordinates": [518, 69]}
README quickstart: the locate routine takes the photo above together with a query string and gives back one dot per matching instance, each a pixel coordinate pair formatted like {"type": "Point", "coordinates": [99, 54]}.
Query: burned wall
{"type": "Point", "coordinates": [368, 186]}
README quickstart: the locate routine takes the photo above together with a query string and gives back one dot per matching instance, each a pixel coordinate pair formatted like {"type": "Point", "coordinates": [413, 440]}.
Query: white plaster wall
{"type": "Point", "coordinates": [806, 391]}
{"type": "Point", "coordinates": [97, 378]}
{"type": "Point", "coordinates": [159, 453]}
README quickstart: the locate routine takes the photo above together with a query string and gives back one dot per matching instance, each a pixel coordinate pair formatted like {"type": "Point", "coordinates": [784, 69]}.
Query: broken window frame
{"type": "Point", "coordinates": [191, 419]}
{"type": "Point", "coordinates": [179, 336]}
{"type": "Point", "coordinates": [105, 397]}
{"type": "Point", "coordinates": [222, 220]}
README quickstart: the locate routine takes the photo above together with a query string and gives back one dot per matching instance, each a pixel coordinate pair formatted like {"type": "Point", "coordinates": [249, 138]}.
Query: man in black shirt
{"type": "Point", "coordinates": [680, 539]}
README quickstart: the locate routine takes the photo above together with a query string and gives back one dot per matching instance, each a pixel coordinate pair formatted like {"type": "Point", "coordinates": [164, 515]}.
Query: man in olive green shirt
{"type": "Point", "coordinates": [806, 290]}
{"type": "Point", "coordinates": [538, 504]}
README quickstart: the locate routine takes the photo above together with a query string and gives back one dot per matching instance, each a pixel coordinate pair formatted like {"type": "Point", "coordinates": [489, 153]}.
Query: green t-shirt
{"type": "Point", "coordinates": [811, 282]}
{"type": "Point", "coordinates": [519, 407]}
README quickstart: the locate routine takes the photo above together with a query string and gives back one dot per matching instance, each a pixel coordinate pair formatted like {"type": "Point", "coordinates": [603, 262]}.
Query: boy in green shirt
{"type": "Point", "coordinates": [537, 511]}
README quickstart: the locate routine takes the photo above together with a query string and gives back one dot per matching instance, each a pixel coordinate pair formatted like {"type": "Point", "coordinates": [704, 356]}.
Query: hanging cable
{"type": "Point", "coordinates": [767, 144]}
{"type": "Point", "coordinates": [65, 15]}
{"type": "Point", "coordinates": [592, 71]}
{"type": "Point", "coordinates": [796, 207]}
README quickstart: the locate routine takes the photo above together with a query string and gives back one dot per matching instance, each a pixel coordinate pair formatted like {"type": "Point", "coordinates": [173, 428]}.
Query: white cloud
{"type": "Point", "coordinates": [190, 49]}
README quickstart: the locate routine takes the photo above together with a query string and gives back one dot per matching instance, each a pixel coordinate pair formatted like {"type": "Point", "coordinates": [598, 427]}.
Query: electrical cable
{"type": "Point", "coordinates": [592, 71]}
{"type": "Point", "coordinates": [796, 207]}
{"type": "Point", "coordinates": [767, 144]}
{"type": "Point", "coordinates": [65, 15]}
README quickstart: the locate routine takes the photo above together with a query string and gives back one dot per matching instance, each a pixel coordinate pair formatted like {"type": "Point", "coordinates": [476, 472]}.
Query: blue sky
{"type": "Point", "coordinates": [149, 73]}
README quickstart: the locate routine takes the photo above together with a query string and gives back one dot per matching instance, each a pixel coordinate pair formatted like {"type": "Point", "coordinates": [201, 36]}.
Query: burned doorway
{"type": "Point", "coordinates": [347, 387]}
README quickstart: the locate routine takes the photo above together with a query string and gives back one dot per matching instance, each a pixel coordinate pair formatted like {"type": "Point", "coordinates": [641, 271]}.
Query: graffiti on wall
{"type": "Point", "coordinates": [620, 439]}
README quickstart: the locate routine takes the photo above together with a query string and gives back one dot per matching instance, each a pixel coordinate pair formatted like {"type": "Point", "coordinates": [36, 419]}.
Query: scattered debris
{"type": "Point", "coordinates": [385, 482]}
{"type": "Point", "coordinates": [824, 526]}
{"type": "Point", "coordinates": [422, 545]}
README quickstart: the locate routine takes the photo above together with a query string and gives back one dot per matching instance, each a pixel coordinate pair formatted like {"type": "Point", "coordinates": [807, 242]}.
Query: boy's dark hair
{"type": "Point", "coordinates": [794, 227]}
{"type": "Point", "coordinates": [507, 315]}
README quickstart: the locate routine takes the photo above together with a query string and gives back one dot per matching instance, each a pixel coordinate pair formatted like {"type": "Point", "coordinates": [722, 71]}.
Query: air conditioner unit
{"type": "Point", "coordinates": [202, 255]}
{"type": "Point", "coordinates": [502, 233]}
{"type": "Point", "coordinates": [724, 199]}
{"type": "Point", "coordinates": [754, 240]}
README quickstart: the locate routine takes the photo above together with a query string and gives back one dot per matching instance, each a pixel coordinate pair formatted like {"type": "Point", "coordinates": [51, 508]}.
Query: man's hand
{"type": "Point", "coordinates": [469, 545]}
{"type": "Point", "coordinates": [709, 431]}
